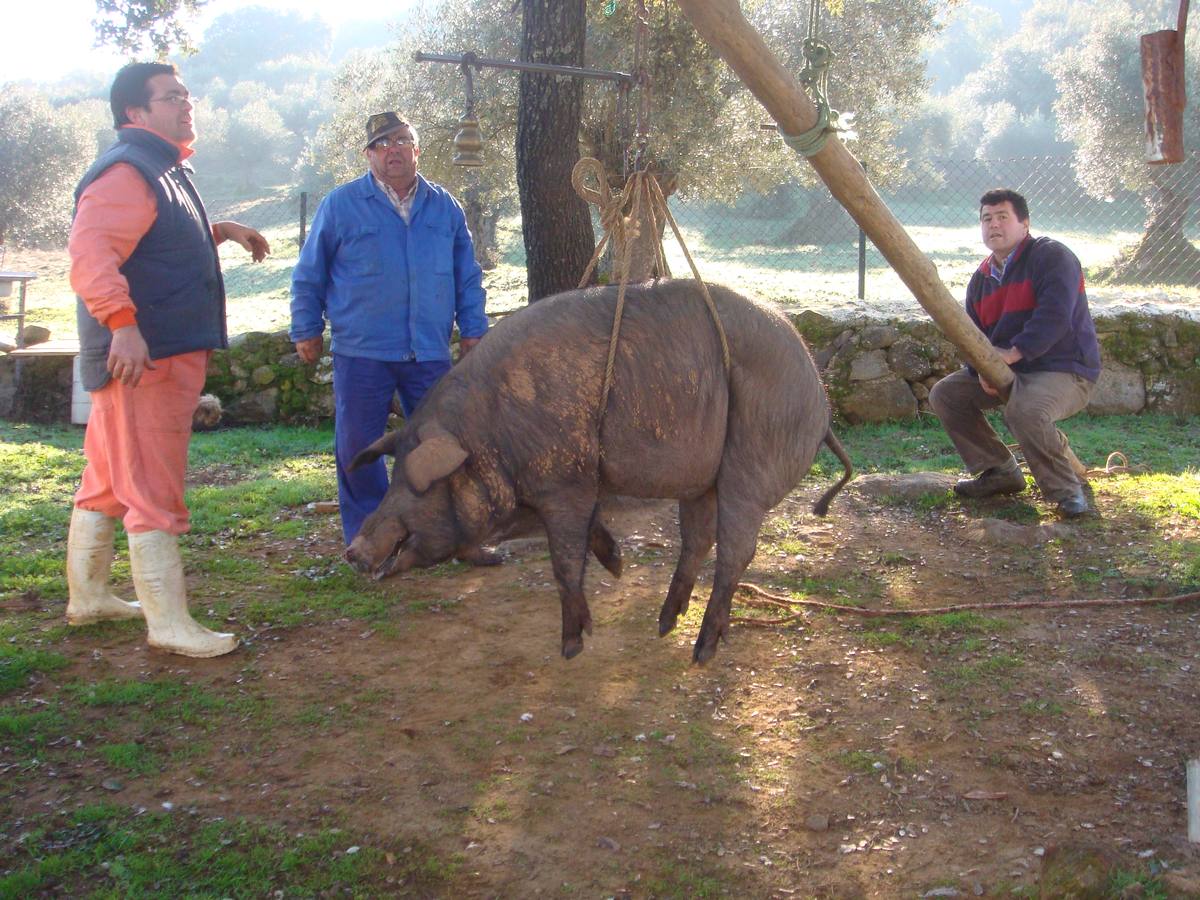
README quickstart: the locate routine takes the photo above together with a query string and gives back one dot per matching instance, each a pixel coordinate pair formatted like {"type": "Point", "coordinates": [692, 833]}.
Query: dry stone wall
{"type": "Point", "coordinates": [875, 371]}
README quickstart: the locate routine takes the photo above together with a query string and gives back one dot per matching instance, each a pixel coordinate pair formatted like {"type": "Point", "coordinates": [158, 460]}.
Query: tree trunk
{"type": "Point", "coordinates": [555, 221]}
{"type": "Point", "coordinates": [481, 222]}
{"type": "Point", "coordinates": [1163, 255]}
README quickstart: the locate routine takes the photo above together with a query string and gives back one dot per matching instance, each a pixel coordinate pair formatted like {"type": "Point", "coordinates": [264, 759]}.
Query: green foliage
{"type": "Point", "coordinates": [136, 25]}
{"type": "Point", "coordinates": [1100, 105]}
{"type": "Point", "coordinates": [42, 155]}
{"type": "Point", "coordinates": [700, 118]}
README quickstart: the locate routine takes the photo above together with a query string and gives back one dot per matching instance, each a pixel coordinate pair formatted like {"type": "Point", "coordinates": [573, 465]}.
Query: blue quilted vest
{"type": "Point", "coordinates": [174, 274]}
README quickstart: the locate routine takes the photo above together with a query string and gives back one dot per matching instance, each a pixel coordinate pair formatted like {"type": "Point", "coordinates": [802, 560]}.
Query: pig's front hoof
{"type": "Point", "coordinates": [672, 609]}
{"type": "Point", "coordinates": [666, 622]}
{"type": "Point", "coordinates": [572, 647]}
{"type": "Point", "coordinates": [706, 644]}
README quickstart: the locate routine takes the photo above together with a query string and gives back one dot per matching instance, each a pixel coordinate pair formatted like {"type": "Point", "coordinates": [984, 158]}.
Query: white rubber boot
{"type": "Point", "coordinates": [89, 558]}
{"type": "Point", "coordinates": [158, 580]}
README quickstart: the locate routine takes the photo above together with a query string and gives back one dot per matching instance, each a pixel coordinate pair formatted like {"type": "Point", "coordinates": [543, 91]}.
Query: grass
{"type": "Point", "coordinates": [111, 852]}
{"type": "Point", "coordinates": [1167, 445]}
{"type": "Point", "coordinates": [18, 664]}
{"type": "Point", "coordinates": [252, 556]}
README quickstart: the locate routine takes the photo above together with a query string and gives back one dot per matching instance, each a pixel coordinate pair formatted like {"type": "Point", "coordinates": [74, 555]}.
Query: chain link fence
{"type": "Point", "coordinates": [794, 244]}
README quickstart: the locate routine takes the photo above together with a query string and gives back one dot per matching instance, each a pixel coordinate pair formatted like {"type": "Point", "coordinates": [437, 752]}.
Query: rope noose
{"type": "Point", "coordinates": [623, 230]}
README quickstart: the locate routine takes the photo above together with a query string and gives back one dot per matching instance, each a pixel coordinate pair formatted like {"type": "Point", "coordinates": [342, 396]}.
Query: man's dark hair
{"type": "Point", "coordinates": [129, 88]}
{"type": "Point", "coordinates": [996, 196]}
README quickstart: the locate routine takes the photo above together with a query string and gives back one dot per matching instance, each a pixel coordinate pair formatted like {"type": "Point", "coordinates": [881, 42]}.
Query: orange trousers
{"type": "Point", "coordinates": [136, 445]}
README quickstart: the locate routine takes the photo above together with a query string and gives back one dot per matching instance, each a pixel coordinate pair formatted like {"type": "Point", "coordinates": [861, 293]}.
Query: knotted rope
{"type": "Point", "coordinates": [622, 230]}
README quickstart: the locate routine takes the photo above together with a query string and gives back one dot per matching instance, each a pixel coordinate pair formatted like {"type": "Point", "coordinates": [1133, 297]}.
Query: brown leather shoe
{"type": "Point", "coordinates": [1005, 479]}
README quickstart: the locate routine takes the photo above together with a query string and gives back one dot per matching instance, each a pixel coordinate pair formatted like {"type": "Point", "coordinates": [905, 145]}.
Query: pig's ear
{"type": "Point", "coordinates": [435, 457]}
{"type": "Point", "coordinates": [368, 455]}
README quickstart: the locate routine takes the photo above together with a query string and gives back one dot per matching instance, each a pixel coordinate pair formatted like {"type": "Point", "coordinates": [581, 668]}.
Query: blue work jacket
{"type": "Point", "coordinates": [390, 290]}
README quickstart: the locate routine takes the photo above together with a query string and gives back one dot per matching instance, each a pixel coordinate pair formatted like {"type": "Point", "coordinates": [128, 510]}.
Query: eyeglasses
{"type": "Point", "coordinates": [388, 143]}
{"type": "Point", "coordinates": [176, 99]}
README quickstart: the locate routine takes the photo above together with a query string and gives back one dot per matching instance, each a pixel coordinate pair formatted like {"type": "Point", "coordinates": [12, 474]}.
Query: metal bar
{"type": "Point", "coordinates": [544, 68]}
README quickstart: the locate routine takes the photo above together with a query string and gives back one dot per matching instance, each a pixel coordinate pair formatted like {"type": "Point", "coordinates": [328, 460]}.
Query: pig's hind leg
{"type": "Point", "coordinates": [697, 533]}
{"type": "Point", "coordinates": [605, 547]}
{"type": "Point", "coordinates": [737, 538]}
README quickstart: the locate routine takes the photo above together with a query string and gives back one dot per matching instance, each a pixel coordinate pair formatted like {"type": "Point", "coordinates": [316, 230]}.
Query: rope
{"type": "Point", "coordinates": [818, 57]}
{"type": "Point", "coordinates": [622, 231]}
{"type": "Point", "coordinates": [769, 600]}
{"type": "Point", "coordinates": [1123, 469]}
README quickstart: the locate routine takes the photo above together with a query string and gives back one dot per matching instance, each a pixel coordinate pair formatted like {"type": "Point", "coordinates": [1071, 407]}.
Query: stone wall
{"type": "Point", "coordinates": [260, 379]}
{"type": "Point", "coordinates": [875, 370]}
{"type": "Point", "coordinates": [881, 370]}
{"type": "Point", "coordinates": [35, 389]}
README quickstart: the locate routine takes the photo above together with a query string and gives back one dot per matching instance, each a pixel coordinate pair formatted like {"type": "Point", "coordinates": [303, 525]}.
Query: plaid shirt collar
{"type": "Point", "coordinates": [403, 204]}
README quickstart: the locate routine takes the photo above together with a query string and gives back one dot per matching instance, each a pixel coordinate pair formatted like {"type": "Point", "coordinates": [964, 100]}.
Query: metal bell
{"type": "Point", "coordinates": [468, 143]}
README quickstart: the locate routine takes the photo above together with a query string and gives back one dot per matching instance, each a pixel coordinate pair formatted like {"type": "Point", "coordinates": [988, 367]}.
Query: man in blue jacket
{"type": "Point", "coordinates": [390, 264]}
{"type": "Point", "coordinates": [1028, 298]}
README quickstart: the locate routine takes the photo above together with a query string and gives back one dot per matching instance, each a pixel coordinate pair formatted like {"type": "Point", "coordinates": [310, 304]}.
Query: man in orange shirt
{"type": "Point", "coordinates": [151, 310]}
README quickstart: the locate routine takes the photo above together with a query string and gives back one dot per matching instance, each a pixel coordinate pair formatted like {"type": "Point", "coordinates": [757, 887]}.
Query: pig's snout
{"type": "Point", "coordinates": [354, 556]}
{"type": "Point", "coordinates": [374, 549]}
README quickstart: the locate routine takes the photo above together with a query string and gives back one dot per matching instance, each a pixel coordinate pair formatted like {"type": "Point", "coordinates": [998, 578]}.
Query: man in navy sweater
{"type": "Point", "coordinates": [1028, 298]}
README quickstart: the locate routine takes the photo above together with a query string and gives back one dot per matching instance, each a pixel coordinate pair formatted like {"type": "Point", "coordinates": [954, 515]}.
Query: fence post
{"type": "Point", "coordinates": [862, 264]}
{"type": "Point", "coordinates": [862, 256]}
{"type": "Point", "coordinates": [303, 215]}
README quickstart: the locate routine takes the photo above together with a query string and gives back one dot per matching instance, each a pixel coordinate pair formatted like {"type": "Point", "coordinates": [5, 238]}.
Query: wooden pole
{"type": "Point", "coordinates": [1193, 800]}
{"type": "Point", "coordinates": [722, 25]}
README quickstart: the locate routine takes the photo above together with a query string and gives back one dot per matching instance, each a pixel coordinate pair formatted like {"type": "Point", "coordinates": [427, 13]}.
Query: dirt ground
{"type": "Point", "coordinates": [833, 756]}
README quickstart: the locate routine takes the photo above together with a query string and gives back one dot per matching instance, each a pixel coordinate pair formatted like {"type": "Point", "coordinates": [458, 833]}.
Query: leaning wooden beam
{"type": "Point", "coordinates": [722, 25]}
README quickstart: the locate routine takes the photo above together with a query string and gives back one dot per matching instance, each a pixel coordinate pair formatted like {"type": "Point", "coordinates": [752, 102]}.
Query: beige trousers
{"type": "Point", "coordinates": [1038, 400]}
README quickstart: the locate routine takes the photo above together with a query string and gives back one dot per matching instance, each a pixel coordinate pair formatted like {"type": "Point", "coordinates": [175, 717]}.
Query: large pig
{"type": "Point", "coordinates": [516, 427]}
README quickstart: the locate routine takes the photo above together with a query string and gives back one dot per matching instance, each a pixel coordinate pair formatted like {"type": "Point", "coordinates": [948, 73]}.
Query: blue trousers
{"type": "Point", "coordinates": [362, 396]}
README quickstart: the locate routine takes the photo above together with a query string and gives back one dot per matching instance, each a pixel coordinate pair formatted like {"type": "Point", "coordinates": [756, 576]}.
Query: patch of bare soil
{"type": "Point", "coordinates": [831, 757]}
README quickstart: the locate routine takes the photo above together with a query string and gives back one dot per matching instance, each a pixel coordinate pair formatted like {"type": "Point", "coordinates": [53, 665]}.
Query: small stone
{"type": "Point", "coordinates": [607, 843]}
{"type": "Point", "coordinates": [817, 822]}
{"type": "Point", "coordinates": [112, 784]}
{"type": "Point", "coordinates": [34, 334]}
{"type": "Point", "coordinates": [350, 851]}
{"type": "Point", "coordinates": [526, 717]}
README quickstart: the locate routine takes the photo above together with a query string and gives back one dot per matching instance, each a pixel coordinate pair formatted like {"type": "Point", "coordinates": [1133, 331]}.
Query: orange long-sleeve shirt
{"type": "Point", "coordinates": [113, 215]}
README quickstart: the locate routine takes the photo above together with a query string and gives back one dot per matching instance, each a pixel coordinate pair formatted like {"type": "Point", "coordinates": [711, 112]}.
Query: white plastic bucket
{"type": "Point", "coordinates": [81, 400]}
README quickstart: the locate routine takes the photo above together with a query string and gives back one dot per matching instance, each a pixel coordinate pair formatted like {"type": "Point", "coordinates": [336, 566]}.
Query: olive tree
{"type": "Point", "coordinates": [42, 155]}
{"type": "Point", "coordinates": [1101, 109]}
